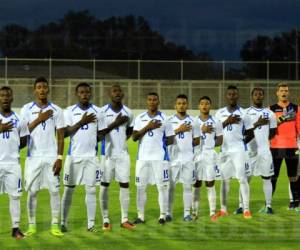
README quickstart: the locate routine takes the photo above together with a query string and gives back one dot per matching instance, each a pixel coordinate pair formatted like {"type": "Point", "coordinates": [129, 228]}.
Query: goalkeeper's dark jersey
{"type": "Point", "coordinates": [287, 130]}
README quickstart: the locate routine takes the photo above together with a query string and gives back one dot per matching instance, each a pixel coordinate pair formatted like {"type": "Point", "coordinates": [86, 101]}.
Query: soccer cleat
{"type": "Point", "coordinates": [238, 210]}
{"type": "Point", "coordinates": [195, 216]}
{"type": "Point", "coordinates": [56, 231]}
{"type": "Point", "coordinates": [63, 229]}
{"type": "Point", "coordinates": [263, 210]}
{"type": "Point", "coordinates": [269, 210]}
{"type": "Point", "coordinates": [92, 230]}
{"type": "Point", "coordinates": [247, 214]}
{"type": "Point", "coordinates": [222, 213]}
{"type": "Point", "coordinates": [291, 206]}
{"type": "Point", "coordinates": [17, 234]}
{"type": "Point", "coordinates": [188, 218]}
{"type": "Point", "coordinates": [214, 217]}
{"type": "Point", "coordinates": [106, 226]}
{"type": "Point", "coordinates": [31, 230]}
{"type": "Point", "coordinates": [139, 221]}
{"type": "Point", "coordinates": [161, 221]}
{"type": "Point", "coordinates": [128, 225]}
{"type": "Point", "coordinates": [169, 218]}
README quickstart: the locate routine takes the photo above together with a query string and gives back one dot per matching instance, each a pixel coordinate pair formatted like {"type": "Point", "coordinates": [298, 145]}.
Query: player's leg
{"type": "Point", "coordinates": [160, 170]}
{"type": "Point", "coordinates": [66, 202]}
{"type": "Point", "coordinates": [174, 172]}
{"type": "Point", "coordinates": [122, 175]}
{"type": "Point", "coordinates": [291, 160]}
{"type": "Point", "coordinates": [277, 160]}
{"type": "Point", "coordinates": [90, 201]}
{"type": "Point", "coordinates": [267, 188]}
{"type": "Point", "coordinates": [15, 211]}
{"type": "Point", "coordinates": [224, 190]}
{"type": "Point", "coordinates": [31, 211]}
{"type": "Point", "coordinates": [103, 198]}
{"type": "Point", "coordinates": [211, 195]}
{"type": "Point", "coordinates": [141, 181]}
{"type": "Point", "coordinates": [188, 178]}
{"type": "Point", "coordinates": [196, 199]}
{"type": "Point", "coordinates": [240, 208]}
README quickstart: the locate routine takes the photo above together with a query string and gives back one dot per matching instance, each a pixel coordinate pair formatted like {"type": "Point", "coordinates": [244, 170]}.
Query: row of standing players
{"type": "Point", "coordinates": [172, 149]}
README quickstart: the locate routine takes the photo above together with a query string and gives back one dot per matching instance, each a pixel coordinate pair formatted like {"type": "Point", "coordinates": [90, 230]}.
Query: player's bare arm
{"type": "Point", "coordinates": [232, 119]}
{"type": "Point", "coordinates": [248, 135]}
{"type": "Point", "coordinates": [42, 117]}
{"type": "Point", "coordinates": [6, 127]}
{"type": "Point", "coordinates": [60, 151]}
{"type": "Point", "coordinates": [196, 141]}
{"type": "Point", "coordinates": [219, 140]}
{"type": "Point", "coordinates": [129, 131]}
{"type": "Point", "coordinates": [23, 142]}
{"type": "Point", "coordinates": [153, 124]}
{"type": "Point", "coordinates": [86, 119]}
{"type": "Point", "coordinates": [170, 140]}
{"type": "Point", "coordinates": [272, 133]}
{"type": "Point", "coordinates": [183, 128]}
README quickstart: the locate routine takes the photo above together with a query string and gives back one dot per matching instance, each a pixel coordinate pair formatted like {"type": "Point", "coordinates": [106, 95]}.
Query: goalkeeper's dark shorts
{"type": "Point", "coordinates": [291, 160]}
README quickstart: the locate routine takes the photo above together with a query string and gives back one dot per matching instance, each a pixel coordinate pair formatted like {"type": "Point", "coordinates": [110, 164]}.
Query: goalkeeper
{"type": "Point", "coordinates": [284, 144]}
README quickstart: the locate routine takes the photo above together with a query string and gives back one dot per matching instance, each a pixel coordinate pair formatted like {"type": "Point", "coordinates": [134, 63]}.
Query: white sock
{"type": "Point", "coordinates": [103, 197]}
{"type": "Point", "coordinates": [196, 200]}
{"type": "Point", "coordinates": [124, 201]}
{"type": "Point", "coordinates": [211, 195]}
{"type": "Point", "coordinates": [66, 203]}
{"type": "Point", "coordinates": [90, 201]}
{"type": "Point", "coordinates": [55, 206]}
{"type": "Point", "coordinates": [15, 210]}
{"type": "Point", "coordinates": [245, 192]}
{"type": "Point", "coordinates": [223, 194]}
{"type": "Point", "coordinates": [31, 207]}
{"type": "Point", "coordinates": [170, 197]}
{"type": "Point", "coordinates": [290, 193]}
{"type": "Point", "coordinates": [163, 199]}
{"type": "Point", "coordinates": [187, 199]}
{"type": "Point", "coordinates": [240, 199]}
{"type": "Point", "coordinates": [141, 197]}
{"type": "Point", "coordinates": [267, 187]}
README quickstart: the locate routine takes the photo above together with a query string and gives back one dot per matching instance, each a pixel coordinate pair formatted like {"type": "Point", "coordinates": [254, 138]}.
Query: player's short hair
{"type": "Point", "coordinates": [82, 84]}
{"type": "Point", "coordinates": [257, 89]}
{"type": "Point", "coordinates": [153, 93]}
{"type": "Point", "coordinates": [116, 85]}
{"type": "Point", "coordinates": [40, 79]}
{"type": "Point", "coordinates": [182, 96]}
{"type": "Point", "coordinates": [282, 84]}
{"type": "Point", "coordinates": [205, 97]}
{"type": "Point", "coordinates": [6, 88]}
{"type": "Point", "coordinates": [232, 87]}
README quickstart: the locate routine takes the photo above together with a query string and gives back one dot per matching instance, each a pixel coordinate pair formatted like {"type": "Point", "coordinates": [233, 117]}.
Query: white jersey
{"type": "Point", "coordinates": [152, 145]}
{"type": "Point", "coordinates": [114, 142]}
{"type": "Point", "coordinates": [42, 140]}
{"type": "Point", "coordinates": [183, 149]}
{"type": "Point", "coordinates": [10, 140]}
{"type": "Point", "coordinates": [233, 134]}
{"type": "Point", "coordinates": [84, 142]}
{"type": "Point", "coordinates": [208, 140]}
{"type": "Point", "coordinates": [261, 133]}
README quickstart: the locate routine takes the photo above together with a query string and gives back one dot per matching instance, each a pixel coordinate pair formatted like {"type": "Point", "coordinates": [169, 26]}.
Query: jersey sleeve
{"type": "Point", "coordinates": [59, 121]}
{"type": "Point", "coordinates": [137, 124]}
{"type": "Point", "coordinates": [24, 131]}
{"type": "Point", "coordinates": [68, 118]}
{"type": "Point", "coordinates": [273, 120]}
{"type": "Point", "coordinates": [196, 130]}
{"type": "Point", "coordinates": [101, 122]}
{"type": "Point", "coordinates": [131, 120]}
{"type": "Point", "coordinates": [24, 115]}
{"type": "Point", "coordinates": [169, 128]}
{"type": "Point", "coordinates": [247, 122]}
{"type": "Point", "coordinates": [219, 128]}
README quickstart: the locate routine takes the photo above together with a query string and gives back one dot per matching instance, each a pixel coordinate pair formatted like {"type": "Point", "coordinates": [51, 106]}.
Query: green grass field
{"type": "Point", "coordinates": [278, 231]}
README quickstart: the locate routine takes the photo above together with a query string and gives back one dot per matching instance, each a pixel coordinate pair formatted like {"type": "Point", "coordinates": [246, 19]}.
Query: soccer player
{"type": "Point", "coordinates": [237, 130]}
{"type": "Point", "coordinates": [154, 133]}
{"type": "Point", "coordinates": [182, 167]}
{"type": "Point", "coordinates": [207, 170]}
{"type": "Point", "coordinates": [13, 135]}
{"type": "Point", "coordinates": [45, 153]}
{"type": "Point", "coordinates": [84, 122]}
{"type": "Point", "coordinates": [115, 158]}
{"type": "Point", "coordinates": [260, 157]}
{"type": "Point", "coordinates": [284, 144]}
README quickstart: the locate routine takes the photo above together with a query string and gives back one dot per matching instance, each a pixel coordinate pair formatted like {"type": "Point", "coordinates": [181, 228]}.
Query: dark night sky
{"type": "Point", "coordinates": [219, 27]}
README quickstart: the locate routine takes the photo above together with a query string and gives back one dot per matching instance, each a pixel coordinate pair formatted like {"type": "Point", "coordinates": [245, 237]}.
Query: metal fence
{"type": "Point", "coordinates": [138, 77]}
